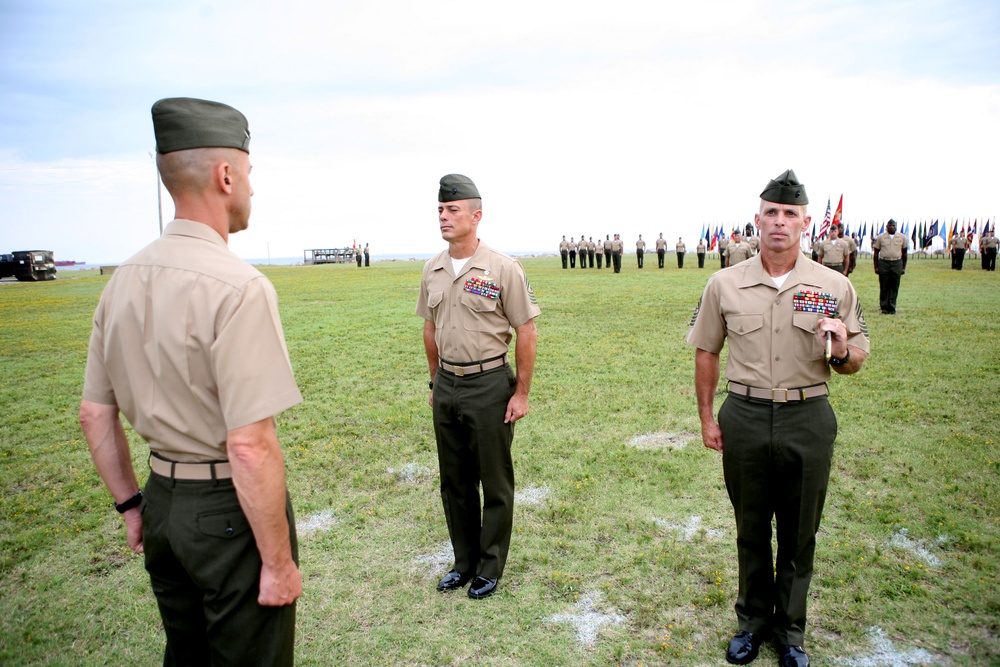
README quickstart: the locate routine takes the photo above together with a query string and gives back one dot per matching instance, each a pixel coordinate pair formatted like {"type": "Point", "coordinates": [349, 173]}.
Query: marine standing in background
{"type": "Point", "coordinates": [572, 253]}
{"type": "Point", "coordinates": [357, 255]}
{"type": "Point", "coordinates": [681, 250]}
{"type": "Point", "coordinates": [754, 243]}
{"type": "Point", "coordinates": [564, 251]}
{"type": "Point", "coordinates": [607, 250]}
{"type": "Point", "coordinates": [582, 251]}
{"type": "Point", "coordinates": [957, 247]}
{"type": "Point", "coordinates": [640, 250]}
{"type": "Point", "coordinates": [817, 243]}
{"type": "Point", "coordinates": [366, 254]}
{"type": "Point", "coordinates": [889, 254]}
{"type": "Point", "coordinates": [661, 250]}
{"type": "Point", "coordinates": [723, 247]}
{"type": "Point", "coordinates": [852, 249]}
{"type": "Point", "coordinates": [738, 250]}
{"type": "Point", "coordinates": [591, 250]}
{"type": "Point", "coordinates": [173, 333]}
{"type": "Point", "coordinates": [472, 298]}
{"type": "Point", "coordinates": [834, 251]}
{"type": "Point", "coordinates": [599, 251]}
{"type": "Point", "coordinates": [617, 247]}
{"type": "Point", "coordinates": [776, 428]}
{"type": "Point", "coordinates": [701, 253]}
{"type": "Point", "coordinates": [990, 243]}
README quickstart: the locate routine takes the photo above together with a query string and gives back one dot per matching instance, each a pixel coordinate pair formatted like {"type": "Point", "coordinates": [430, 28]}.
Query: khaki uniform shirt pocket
{"type": "Point", "coordinates": [434, 303]}
{"type": "Point", "coordinates": [807, 346]}
{"type": "Point", "coordinates": [746, 338]}
{"type": "Point", "coordinates": [479, 312]}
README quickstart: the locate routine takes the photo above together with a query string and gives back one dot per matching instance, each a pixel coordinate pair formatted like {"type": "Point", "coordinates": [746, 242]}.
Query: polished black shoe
{"type": "Point", "coordinates": [743, 648]}
{"type": "Point", "coordinates": [453, 580]}
{"type": "Point", "coordinates": [791, 656]}
{"type": "Point", "coordinates": [482, 587]}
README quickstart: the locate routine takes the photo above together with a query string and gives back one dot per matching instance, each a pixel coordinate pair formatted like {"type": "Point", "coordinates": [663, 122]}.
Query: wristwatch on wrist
{"type": "Point", "coordinates": [430, 385]}
{"type": "Point", "coordinates": [126, 505]}
{"type": "Point", "coordinates": [834, 361]}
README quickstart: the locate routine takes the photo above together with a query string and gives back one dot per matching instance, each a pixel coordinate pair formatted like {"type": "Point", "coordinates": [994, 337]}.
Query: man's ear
{"type": "Point", "coordinates": [224, 177]}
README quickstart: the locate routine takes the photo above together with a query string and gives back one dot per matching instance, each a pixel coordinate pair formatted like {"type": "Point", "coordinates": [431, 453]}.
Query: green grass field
{"type": "Point", "coordinates": [622, 513]}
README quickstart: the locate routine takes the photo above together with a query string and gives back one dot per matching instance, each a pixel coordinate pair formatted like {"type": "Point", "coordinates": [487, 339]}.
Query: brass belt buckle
{"type": "Point", "coordinates": [459, 371]}
{"type": "Point", "coordinates": [774, 395]}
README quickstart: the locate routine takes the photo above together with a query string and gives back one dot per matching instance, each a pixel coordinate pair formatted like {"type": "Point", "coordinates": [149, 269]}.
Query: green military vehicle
{"type": "Point", "coordinates": [28, 265]}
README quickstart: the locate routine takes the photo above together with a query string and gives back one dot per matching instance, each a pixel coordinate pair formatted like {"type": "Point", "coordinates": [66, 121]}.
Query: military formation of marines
{"type": "Point", "coordinates": [215, 521]}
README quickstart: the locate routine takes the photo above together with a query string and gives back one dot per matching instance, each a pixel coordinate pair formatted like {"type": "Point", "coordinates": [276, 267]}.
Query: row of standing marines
{"type": "Point", "coordinates": [215, 521]}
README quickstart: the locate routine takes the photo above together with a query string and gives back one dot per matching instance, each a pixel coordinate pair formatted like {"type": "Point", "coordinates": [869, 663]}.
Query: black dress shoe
{"type": "Point", "coordinates": [791, 656]}
{"type": "Point", "coordinates": [743, 648]}
{"type": "Point", "coordinates": [482, 587]}
{"type": "Point", "coordinates": [453, 580]}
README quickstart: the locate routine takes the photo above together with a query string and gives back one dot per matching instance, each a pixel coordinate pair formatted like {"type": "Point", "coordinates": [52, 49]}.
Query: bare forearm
{"type": "Point", "coordinates": [524, 351]}
{"type": "Point", "coordinates": [105, 434]}
{"type": "Point", "coordinates": [259, 477]}
{"type": "Point", "coordinates": [706, 380]}
{"type": "Point", "coordinates": [430, 347]}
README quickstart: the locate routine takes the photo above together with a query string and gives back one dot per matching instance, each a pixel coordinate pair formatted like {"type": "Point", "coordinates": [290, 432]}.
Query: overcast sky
{"type": "Point", "coordinates": [571, 117]}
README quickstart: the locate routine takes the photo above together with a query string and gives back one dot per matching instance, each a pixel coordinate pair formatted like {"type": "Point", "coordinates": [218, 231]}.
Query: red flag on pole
{"type": "Point", "coordinates": [838, 216]}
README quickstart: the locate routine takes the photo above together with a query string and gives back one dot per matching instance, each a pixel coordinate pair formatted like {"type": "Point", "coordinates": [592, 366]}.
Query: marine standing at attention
{"type": "Point", "coordinates": [173, 336]}
{"type": "Point", "coordinates": [640, 250]}
{"type": "Point", "coordinates": [471, 298]}
{"type": "Point", "coordinates": [889, 254]}
{"type": "Point", "coordinates": [957, 247]}
{"type": "Point", "coordinates": [607, 250]}
{"type": "Point", "coordinates": [681, 250]}
{"type": "Point", "coordinates": [661, 250]}
{"type": "Point", "coordinates": [834, 252]}
{"type": "Point", "coordinates": [564, 251]}
{"type": "Point", "coordinates": [617, 247]}
{"type": "Point", "coordinates": [776, 428]}
{"type": "Point", "coordinates": [723, 247]}
{"type": "Point", "coordinates": [738, 250]}
{"type": "Point", "coordinates": [701, 253]}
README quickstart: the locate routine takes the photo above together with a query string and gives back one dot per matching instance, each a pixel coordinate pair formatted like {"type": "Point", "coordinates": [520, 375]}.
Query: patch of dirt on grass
{"type": "Point", "coordinates": [662, 440]}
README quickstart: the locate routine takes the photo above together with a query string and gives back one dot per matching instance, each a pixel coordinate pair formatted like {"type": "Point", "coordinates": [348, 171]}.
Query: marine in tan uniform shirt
{"type": "Point", "coordinates": [661, 250]}
{"type": "Point", "coordinates": [472, 299]}
{"type": "Point", "coordinates": [640, 250]}
{"type": "Point", "coordinates": [700, 251]}
{"type": "Point", "coordinates": [889, 255]}
{"type": "Point", "coordinates": [680, 249]}
{"type": "Point", "coordinates": [738, 251]}
{"type": "Point", "coordinates": [834, 252]}
{"type": "Point", "coordinates": [617, 247]}
{"type": "Point", "coordinates": [172, 336]}
{"type": "Point", "coordinates": [776, 428]}
{"type": "Point", "coordinates": [723, 246]}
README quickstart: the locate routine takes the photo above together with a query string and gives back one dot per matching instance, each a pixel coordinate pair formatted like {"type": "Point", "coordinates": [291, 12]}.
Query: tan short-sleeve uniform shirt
{"type": "Point", "coordinates": [701, 247]}
{"type": "Point", "coordinates": [475, 312]}
{"type": "Point", "coordinates": [771, 344]}
{"type": "Point", "coordinates": [890, 246]}
{"type": "Point", "coordinates": [991, 243]}
{"type": "Point", "coordinates": [723, 244]}
{"type": "Point", "coordinates": [959, 242]}
{"type": "Point", "coordinates": [661, 244]}
{"type": "Point", "coordinates": [681, 248]}
{"type": "Point", "coordinates": [738, 252]}
{"type": "Point", "coordinates": [834, 251]}
{"type": "Point", "coordinates": [617, 245]}
{"type": "Point", "coordinates": [640, 245]}
{"type": "Point", "coordinates": [188, 343]}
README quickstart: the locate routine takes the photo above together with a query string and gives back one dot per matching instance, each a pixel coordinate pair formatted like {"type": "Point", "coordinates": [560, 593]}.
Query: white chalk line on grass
{"type": "Point", "coordinates": [588, 618]}
{"type": "Point", "coordinates": [887, 655]}
{"type": "Point", "coordinates": [902, 540]}
{"type": "Point", "coordinates": [316, 522]}
{"type": "Point", "coordinates": [687, 531]}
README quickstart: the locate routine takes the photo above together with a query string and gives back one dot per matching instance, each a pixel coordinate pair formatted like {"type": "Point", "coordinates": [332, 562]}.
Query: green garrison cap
{"type": "Point", "coordinates": [785, 189]}
{"type": "Point", "coordinates": [456, 186]}
{"type": "Point", "coordinates": [180, 123]}
{"type": "Point", "coordinates": [891, 222]}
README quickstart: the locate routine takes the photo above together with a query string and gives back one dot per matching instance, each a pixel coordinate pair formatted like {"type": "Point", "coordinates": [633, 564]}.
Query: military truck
{"type": "Point", "coordinates": [28, 265]}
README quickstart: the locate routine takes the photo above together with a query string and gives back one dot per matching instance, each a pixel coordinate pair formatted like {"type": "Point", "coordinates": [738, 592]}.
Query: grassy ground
{"type": "Point", "coordinates": [623, 513]}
